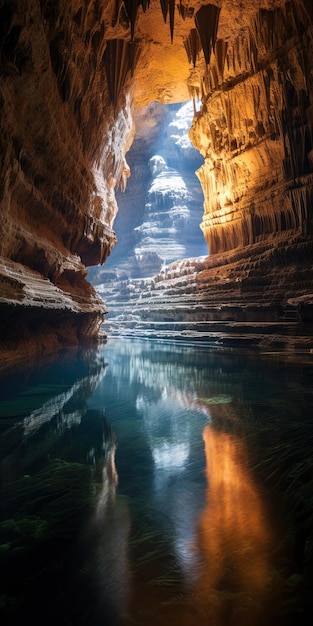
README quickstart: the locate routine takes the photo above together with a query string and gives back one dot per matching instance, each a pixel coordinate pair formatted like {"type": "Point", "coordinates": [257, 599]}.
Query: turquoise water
{"type": "Point", "coordinates": [147, 483]}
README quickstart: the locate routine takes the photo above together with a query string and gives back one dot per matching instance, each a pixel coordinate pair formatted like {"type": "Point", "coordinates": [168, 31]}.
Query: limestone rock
{"type": "Point", "coordinates": [254, 131]}
{"type": "Point", "coordinates": [63, 151]}
{"type": "Point", "coordinates": [161, 209]}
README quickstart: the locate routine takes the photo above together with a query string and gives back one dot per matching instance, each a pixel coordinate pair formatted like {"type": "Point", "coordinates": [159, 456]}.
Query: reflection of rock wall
{"type": "Point", "coordinates": [236, 581]}
{"type": "Point", "coordinates": [255, 131]}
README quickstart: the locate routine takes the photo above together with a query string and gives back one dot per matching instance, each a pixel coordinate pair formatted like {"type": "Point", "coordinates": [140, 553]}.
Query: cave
{"type": "Point", "coordinates": [73, 79]}
{"type": "Point", "coordinates": [156, 386]}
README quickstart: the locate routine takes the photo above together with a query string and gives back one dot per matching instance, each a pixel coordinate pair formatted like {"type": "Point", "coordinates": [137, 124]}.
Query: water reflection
{"type": "Point", "coordinates": [57, 405]}
{"type": "Point", "coordinates": [234, 537]}
{"type": "Point", "coordinates": [43, 410]}
{"type": "Point", "coordinates": [128, 496]}
{"type": "Point", "coordinates": [106, 538]}
{"type": "Point", "coordinates": [166, 420]}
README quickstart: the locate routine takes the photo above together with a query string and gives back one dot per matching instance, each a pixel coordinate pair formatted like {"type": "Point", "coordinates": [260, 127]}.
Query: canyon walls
{"type": "Point", "coordinates": [64, 132]}
{"type": "Point", "coordinates": [254, 130]}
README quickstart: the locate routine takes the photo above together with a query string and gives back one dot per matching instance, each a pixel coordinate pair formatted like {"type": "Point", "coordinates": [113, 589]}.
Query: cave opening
{"type": "Point", "coordinates": [160, 211]}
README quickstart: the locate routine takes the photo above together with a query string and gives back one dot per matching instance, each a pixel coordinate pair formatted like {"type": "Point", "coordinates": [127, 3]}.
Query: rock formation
{"type": "Point", "coordinates": [255, 133]}
{"type": "Point", "coordinates": [71, 73]}
{"type": "Point", "coordinates": [161, 209]}
{"type": "Point", "coordinates": [63, 141]}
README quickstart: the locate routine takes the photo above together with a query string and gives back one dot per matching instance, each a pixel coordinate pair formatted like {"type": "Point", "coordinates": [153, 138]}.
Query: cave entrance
{"type": "Point", "coordinates": [160, 211]}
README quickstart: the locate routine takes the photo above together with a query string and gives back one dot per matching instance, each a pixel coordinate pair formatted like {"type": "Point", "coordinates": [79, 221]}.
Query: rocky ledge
{"type": "Point", "coordinates": [224, 300]}
{"type": "Point", "coordinates": [37, 317]}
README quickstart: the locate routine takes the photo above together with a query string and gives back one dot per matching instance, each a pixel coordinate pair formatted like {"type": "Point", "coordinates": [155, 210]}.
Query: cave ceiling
{"type": "Point", "coordinates": [163, 67]}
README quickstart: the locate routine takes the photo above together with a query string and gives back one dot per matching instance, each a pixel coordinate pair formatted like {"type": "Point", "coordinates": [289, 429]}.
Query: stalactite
{"type": "Point", "coordinates": [206, 20]}
{"type": "Point", "coordinates": [184, 11]}
{"type": "Point", "coordinates": [192, 46]}
{"type": "Point", "coordinates": [168, 6]}
{"type": "Point", "coordinates": [295, 17]}
{"type": "Point", "coordinates": [131, 8]}
{"type": "Point", "coordinates": [302, 203]}
{"type": "Point", "coordinates": [118, 4]}
{"type": "Point", "coordinates": [214, 77]}
{"type": "Point", "coordinates": [233, 60]}
{"type": "Point", "coordinates": [272, 27]}
{"type": "Point", "coordinates": [245, 54]}
{"type": "Point", "coordinates": [237, 55]}
{"type": "Point", "coordinates": [251, 53]}
{"type": "Point", "coordinates": [227, 110]}
{"type": "Point", "coordinates": [119, 58]}
{"type": "Point", "coordinates": [164, 7]}
{"type": "Point", "coordinates": [266, 82]}
{"type": "Point", "coordinates": [302, 60]}
{"type": "Point", "coordinates": [194, 93]}
{"type": "Point", "coordinates": [204, 87]}
{"type": "Point", "coordinates": [221, 48]}
{"type": "Point", "coordinates": [267, 25]}
{"type": "Point", "coordinates": [172, 11]}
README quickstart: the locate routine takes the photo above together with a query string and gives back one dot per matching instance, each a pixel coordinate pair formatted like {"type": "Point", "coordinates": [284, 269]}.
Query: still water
{"type": "Point", "coordinates": [149, 483]}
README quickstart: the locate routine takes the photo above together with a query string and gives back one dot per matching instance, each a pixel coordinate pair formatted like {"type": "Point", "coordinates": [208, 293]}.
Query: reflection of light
{"type": "Point", "coordinates": [168, 432]}
{"type": "Point", "coordinates": [109, 483]}
{"type": "Point", "coordinates": [56, 405]}
{"type": "Point", "coordinates": [107, 538]}
{"type": "Point", "coordinates": [49, 409]}
{"type": "Point", "coordinates": [234, 537]}
{"type": "Point", "coordinates": [170, 456]}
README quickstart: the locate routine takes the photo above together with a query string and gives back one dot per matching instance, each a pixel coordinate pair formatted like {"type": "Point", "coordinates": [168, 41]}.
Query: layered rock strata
{"type": "Point", "coordinates": [254, 130]}
{"type": "Point", "coordinates": [62, 148]}
{"type": "Point", "coordinates": [225, 300]}
{"type": "Point", "coordinates": [161, 208]}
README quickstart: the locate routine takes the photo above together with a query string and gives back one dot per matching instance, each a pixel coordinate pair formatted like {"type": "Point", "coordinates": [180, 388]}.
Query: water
{"type": "Point", "coordinates": [147, 483]}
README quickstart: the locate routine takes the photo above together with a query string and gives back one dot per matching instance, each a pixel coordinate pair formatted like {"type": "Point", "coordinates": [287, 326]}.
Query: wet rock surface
{"type": "Point", "coordinates": [221, 300]}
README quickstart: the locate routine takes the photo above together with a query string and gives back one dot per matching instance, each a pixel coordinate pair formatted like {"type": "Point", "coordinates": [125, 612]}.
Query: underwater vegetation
{"type": "Point", "coordinates": [43, 515]}
{"type": "Point", "coordinates": [287, 465]}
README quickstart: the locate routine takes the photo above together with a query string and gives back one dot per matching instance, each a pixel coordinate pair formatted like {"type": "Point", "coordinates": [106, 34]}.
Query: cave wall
{"type": "Point", "coordinates": [254, 129]}
{"type": "Point", "coordinates": [63, 134]}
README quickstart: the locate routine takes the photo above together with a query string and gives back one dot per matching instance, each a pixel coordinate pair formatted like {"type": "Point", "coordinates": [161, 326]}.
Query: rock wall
{"type": "Point", "coordinates": [254, 129]}
{"type": "Point", "coordinates": [251, 82]}
{"type": "Point", "coordinates": [63, 138]}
